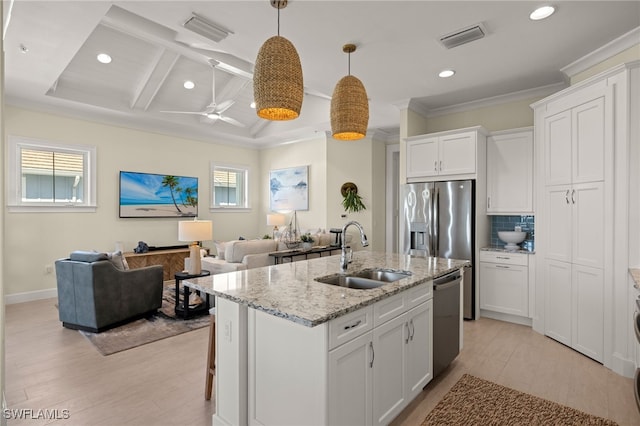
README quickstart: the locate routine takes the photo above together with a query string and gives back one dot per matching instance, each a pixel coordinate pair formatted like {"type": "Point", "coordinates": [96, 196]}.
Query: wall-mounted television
{"type": "Point", "coordinates": [155, 195]}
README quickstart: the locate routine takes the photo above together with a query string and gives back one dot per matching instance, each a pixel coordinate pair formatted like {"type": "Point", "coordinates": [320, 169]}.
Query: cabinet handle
{"type": "Point", "coordinates": [406, 340]}
{"type": "Point", "coordinates": [435, 165]}
{"type": "Point", "coordinates": [413, 330]}
{"type": "Point", "coordinates": [573, 199]}
{"type": "Point", "coordinates": [503, 257]}
{"type": "Point", "coordinates": [488, 202]}
{"type": "Point", "coordinates": [440, 165]}
{"type": "Point", "coordinates": [566, 196]}
{"type": "Point", "coordinates": [373, 354]}
{"type": "Point", "coordinates": [502, 267]}
{"type": "Point", "coordinates": [355, 324]}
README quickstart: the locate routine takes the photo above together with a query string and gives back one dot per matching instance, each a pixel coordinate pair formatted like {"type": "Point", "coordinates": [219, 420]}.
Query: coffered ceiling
{"type": "Point", "coordinates": [51, 47]}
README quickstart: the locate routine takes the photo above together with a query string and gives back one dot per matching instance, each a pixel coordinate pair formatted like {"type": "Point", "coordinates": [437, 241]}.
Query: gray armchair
{"type": "Point", "coordinates": [94, 295]}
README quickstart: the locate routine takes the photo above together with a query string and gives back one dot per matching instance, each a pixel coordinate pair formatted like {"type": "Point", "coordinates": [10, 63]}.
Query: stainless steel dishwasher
{"type": "Point", "coordinates": [446, 320]}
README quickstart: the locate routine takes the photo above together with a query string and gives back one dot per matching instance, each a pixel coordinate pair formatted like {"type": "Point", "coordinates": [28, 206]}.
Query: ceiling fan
{"type": "Point", "coordinates": [213, 112]}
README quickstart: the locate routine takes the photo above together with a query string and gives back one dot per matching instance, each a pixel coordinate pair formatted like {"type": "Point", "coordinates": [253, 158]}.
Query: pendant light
{"type": "Point", "coordinates": [349, 106]}
{"type": "Point", "coordinates": [277, 77]}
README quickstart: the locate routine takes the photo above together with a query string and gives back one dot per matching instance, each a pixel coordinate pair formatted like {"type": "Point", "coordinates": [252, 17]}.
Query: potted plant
{"type": "Point", "coordinates": [351, 201]}
{"type": "Point", "coordinates": [307, 241]}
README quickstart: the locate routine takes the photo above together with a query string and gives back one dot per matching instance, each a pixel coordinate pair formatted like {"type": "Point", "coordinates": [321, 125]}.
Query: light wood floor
{"type": "Point", "coordinates": [162, 383]}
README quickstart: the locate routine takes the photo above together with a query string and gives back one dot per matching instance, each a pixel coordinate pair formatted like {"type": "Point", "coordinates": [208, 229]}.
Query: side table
{"type": "Point", "coordinates": [183, 310]}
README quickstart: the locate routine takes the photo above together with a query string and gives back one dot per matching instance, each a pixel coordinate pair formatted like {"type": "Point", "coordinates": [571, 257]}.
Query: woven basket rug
{"type": "Point", "coordinates": [474, 401]}
{"type": "Point", "coordinates": [159, 326]}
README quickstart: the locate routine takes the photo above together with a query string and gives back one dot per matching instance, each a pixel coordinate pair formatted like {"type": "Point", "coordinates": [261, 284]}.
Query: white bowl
{"type": "Point", "coordinates": [512, 238]}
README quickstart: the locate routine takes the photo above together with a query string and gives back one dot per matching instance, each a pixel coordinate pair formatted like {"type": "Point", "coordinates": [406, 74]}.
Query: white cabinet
{"type": "Point", "coordinates": [451, 154]}
{"type": "Point", "coordinates": [577, 158]}
{"type": "Point", "coordinates": [350, 376]}
{"type": "Point", "coordinates": [504, 283]}
{"type": "Point", "coordinates": [510, 172]}
{"type": "Point", "coordinates": [375, 375]}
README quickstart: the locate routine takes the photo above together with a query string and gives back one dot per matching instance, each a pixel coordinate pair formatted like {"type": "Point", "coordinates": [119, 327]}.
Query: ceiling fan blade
{"type": "Point", "coordinates": [223, 106]}
{"type": "Point", "coordinates": [212, 118]}
{"type": "Point", "coordinates": [185, 112]}
{"type": "Point", "coordinates": [231, 121]}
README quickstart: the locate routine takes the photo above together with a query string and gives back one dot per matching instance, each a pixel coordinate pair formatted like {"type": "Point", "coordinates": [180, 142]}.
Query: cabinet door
{"type": "Point", "coordinates": [557, 321]}
{"type": "Point", "coordinates": [588, 312]}
{"type": "Point", "coordinates": [558, 221]}
{"type": "Point", "coordinates": [350, 382]}
{"type": "Point", "coordinates": [390, 341]}
{"type": "Point", "coordinates": [588, 224]}
{"type": "Point", "coordinates": [504, 288]}
{"type": "Point", "coordinates": [422, 157]}
{"type": "Point", "coordinates": [510, 173]}
{"type": "Point", "coordinates": [419, 365]}
{"type": "Point", "coordinates": [557, 148]}
{"type": "Point", "coordinates": [457, 154]}
{"type": "Point", "coordinates": [588, 146]}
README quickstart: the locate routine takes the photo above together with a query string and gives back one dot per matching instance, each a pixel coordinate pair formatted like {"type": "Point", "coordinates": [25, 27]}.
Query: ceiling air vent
{"type": "Point", "coordinates": [463, 36]}
{"type": "Point", "coordinates": [206, 28]}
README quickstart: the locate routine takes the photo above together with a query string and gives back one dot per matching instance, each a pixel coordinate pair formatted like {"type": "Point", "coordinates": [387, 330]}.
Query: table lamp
{"type": "Point", "coordinates": [195, 231]}
{"type": "Point", "coordinates": [275, 220]}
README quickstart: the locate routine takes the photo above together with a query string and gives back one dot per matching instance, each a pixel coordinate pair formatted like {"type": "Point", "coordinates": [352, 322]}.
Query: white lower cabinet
{"type": "Point", "coordinates": [373, 377]}
{"type": "Point", "coordinates": [362, 368]}
{"type": "Point", "coordinates": [504, 283]}
{"type": "Point", "coordinates": [574, 307]}
{"type": "Point", "coordinates": [350, 376]}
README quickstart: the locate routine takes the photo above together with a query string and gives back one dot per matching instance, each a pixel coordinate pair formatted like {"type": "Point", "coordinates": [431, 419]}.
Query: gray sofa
{"type": "Point", "coordinates": [96, 291]}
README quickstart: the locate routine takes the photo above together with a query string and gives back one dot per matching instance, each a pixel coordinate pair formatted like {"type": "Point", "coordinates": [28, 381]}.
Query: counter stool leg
{"type": "Point", "coordinates": [211, 359]}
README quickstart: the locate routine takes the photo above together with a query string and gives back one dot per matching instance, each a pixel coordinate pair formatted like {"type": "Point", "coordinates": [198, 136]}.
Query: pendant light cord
{"type": "Point", "coordinates": [349, 66]}
{"type": "Point", "coordinates": [278, 21]}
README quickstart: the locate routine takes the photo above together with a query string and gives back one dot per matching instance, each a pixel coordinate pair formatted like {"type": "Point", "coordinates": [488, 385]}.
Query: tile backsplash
{"type": "Point", "coordinates": [508, 223]}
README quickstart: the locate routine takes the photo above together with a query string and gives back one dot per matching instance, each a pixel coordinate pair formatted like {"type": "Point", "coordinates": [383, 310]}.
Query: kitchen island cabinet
{"type": "Point", "coordinates": [291, 350]}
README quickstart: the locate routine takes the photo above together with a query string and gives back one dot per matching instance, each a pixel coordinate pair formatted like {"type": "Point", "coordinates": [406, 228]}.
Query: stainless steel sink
{"type": "Point", "coordinates": [365, 279]}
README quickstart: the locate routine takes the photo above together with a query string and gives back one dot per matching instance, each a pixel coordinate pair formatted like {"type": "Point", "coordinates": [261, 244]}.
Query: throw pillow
{"type": "Point", "coordinates": [118, 260]}
{"type": "Point", "coordinates": [220, 246]}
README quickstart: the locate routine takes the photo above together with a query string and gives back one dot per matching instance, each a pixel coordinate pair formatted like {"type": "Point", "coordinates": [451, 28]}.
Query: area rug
{"type": "Point", "coordinates": [474, 401]}
{"type": "Point", "coordinates": [159, 326]}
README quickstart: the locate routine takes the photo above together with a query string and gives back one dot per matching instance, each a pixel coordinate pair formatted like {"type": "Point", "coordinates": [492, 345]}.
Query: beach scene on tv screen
{"type": "Point", "coordinates": [155, 195]}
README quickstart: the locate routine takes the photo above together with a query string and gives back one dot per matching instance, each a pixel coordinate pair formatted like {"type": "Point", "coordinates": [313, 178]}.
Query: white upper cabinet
{"type": "Point", "coordinates": [575, 144]}
{"type": "Point", "coordinates": [510, 172]}
{"type": "Point", "coordinates": [451, 154]}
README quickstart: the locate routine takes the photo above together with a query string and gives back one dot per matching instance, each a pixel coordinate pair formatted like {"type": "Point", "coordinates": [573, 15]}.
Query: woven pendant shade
{"type": "Point", "coordinates": [349, 107]}
{"type": "Point", "coordinates": [277, 80]}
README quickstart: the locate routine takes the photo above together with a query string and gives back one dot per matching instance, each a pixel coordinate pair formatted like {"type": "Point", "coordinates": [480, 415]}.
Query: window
{"type": "Point", "coordinates": [230, 187]}
{"type": "Point", "coordinates": [50, 176]}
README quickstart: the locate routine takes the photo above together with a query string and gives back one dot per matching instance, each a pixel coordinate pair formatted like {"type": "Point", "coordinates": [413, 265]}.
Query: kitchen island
{"type": "Point", "coordinates": [291, 350]}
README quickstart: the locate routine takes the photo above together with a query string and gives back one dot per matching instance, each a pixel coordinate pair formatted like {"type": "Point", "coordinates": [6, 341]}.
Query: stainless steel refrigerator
{"type": "Point", "coordinates": [438, 220]}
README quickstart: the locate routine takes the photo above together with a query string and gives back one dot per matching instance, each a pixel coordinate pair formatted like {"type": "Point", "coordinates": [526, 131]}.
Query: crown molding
{"type": "Point", "coordinates": [610, 49]}
{"type": "Point", "coordinates": [542, 91]}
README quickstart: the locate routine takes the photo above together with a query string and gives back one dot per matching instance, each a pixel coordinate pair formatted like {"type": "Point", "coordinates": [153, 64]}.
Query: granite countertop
{"type": "Point", "coordinates": [503, 250]}
{"type": "Point", "coordinates": [635, 274]}
{"type": "Point", "coordinates": [289, 290]}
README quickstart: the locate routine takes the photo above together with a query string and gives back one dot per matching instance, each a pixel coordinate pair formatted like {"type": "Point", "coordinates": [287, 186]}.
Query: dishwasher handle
{"type": "Point", "coordinates": [447, 281]}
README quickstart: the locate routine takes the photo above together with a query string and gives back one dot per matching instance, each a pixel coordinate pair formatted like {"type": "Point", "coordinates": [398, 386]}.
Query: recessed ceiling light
{"type": "Point", "coordinates": [104, 58]}
{"type": "Point", "coordinates": [542, 12]}
{"type": "Point", "coordinates": [446, 73]}
{"type": "Point", "coordinates": [23, 48]}
{"type": "Point", "coordinates": [189, 84]}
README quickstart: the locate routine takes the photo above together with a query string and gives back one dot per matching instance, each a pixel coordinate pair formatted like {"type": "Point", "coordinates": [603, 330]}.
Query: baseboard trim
{"type": "Point", "coordinates": [506, 317]}
{"type": "Point", "coordinates": [30, 296]}
{"type": "Point", "coordinates": [622, 366]}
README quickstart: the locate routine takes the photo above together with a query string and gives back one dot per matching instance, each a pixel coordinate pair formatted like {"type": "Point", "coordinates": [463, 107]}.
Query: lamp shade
{"type": "Point", "coordinates": [349, 109]}
{"type": "Point", "coordinates": [275, 219]}
{"type": "Point", "coordinates": [195, 230]}
{"type": "Point", "coordinates": [277, 80]}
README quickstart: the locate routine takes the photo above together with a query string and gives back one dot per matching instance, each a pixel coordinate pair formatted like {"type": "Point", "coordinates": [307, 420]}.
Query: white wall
{"type": "Point", "coordinates": [312, 153]}
{"type": "Point", "coordinates": [38, 239]}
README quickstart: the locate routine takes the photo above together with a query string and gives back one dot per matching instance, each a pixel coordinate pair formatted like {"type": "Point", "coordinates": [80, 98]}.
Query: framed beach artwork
{"type": "Point", "coordinates": [155, 195]}
{"type": "Point", "coordinates": [289, 189]}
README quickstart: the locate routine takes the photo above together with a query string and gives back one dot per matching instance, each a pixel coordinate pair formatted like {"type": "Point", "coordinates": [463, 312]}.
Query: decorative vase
{"type": "Point", "coordinates": [307, 246]}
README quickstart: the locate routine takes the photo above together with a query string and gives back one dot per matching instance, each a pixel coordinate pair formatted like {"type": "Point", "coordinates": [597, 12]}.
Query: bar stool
{"type": "Point", "coordinates": [211, 356]}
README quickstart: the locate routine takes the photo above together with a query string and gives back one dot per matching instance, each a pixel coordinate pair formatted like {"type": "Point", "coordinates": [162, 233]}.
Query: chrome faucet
{"type": "Point", "coordinates": [344, 260]}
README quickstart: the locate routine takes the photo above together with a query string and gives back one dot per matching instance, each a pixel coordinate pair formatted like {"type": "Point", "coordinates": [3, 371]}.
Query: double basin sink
{"type": "Point", "coordinates": [365, 279]}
